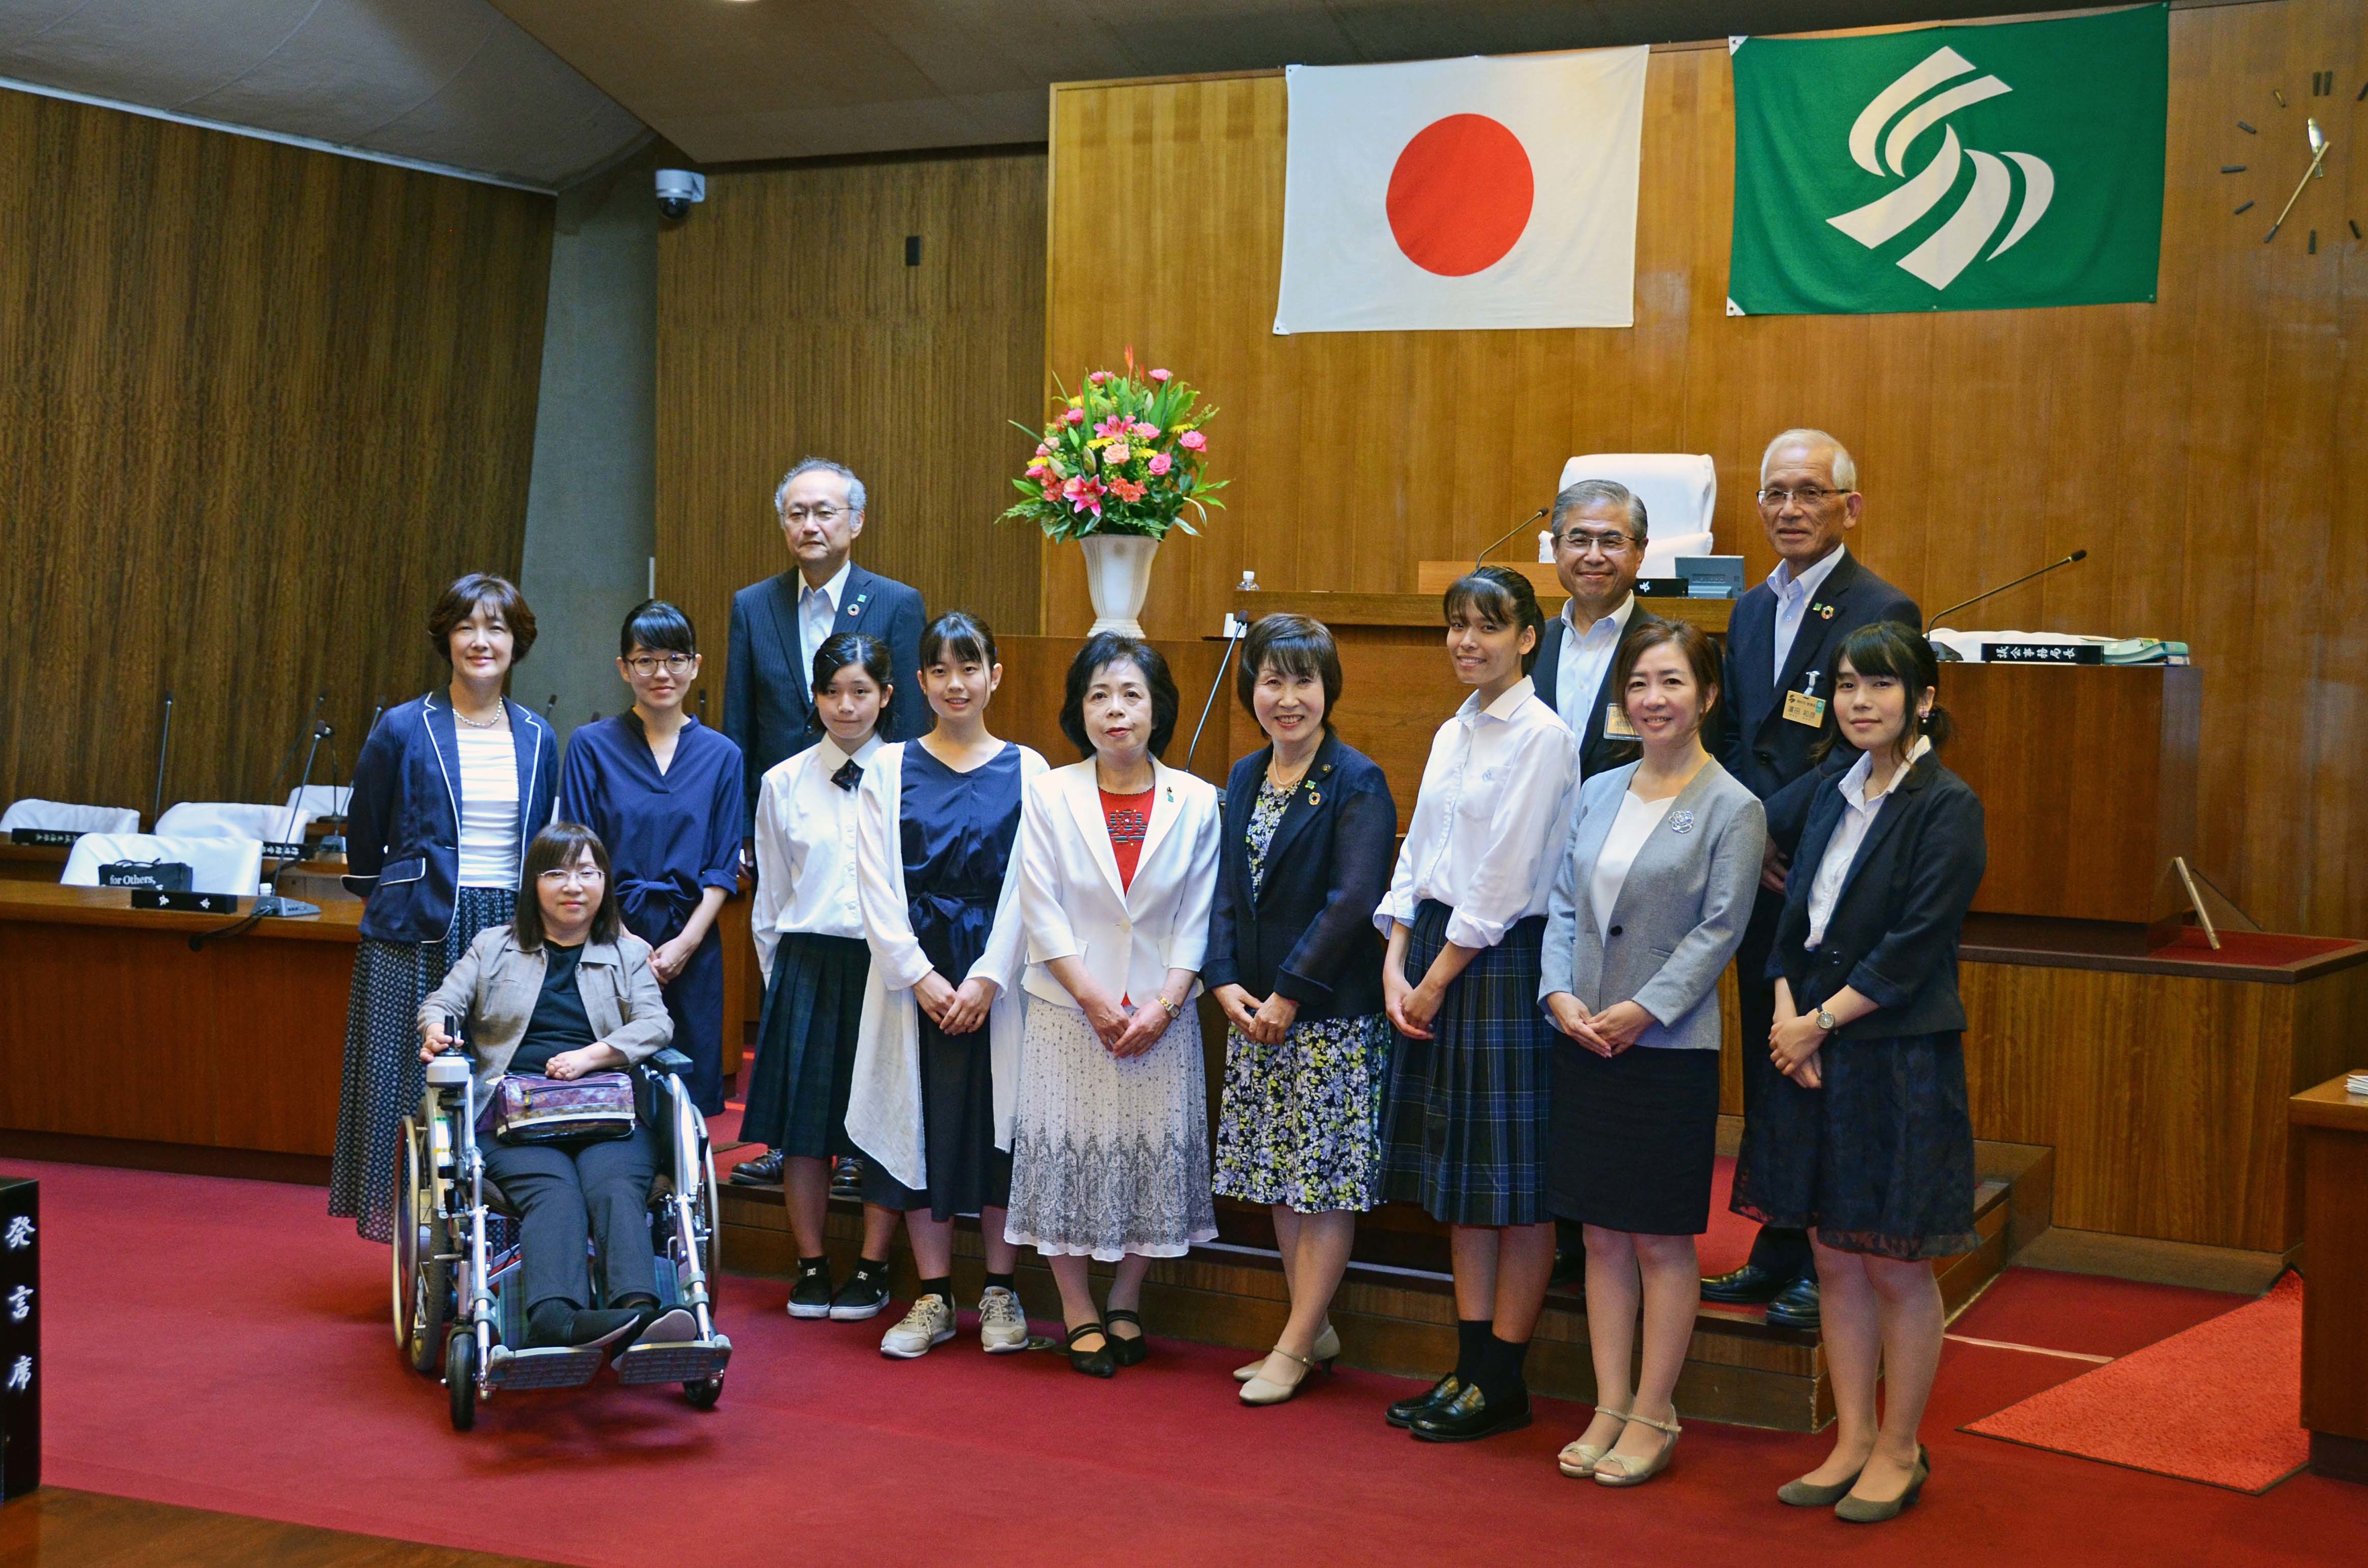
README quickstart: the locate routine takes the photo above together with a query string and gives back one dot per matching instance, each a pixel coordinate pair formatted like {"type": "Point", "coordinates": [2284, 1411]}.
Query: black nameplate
{"type": "Point", "coordinates": [2043, 652]}
{"type": "Point", "coordinates": [44, 837]}
{"type": "Point", "coordinates": [281, 849]}
{"type": "Point", "coordinates": [20, 1336]}
{"type": "Point", "coordinates": [187, 902]}
{"type": "Point", "coordinates": [1661, 589]}
{"type": "Point", "coordinates": [137, 874]}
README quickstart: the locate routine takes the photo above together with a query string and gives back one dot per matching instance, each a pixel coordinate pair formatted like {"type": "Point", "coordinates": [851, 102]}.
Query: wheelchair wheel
{"type": "Point", "coordinates": [711, 1213]}
{"type": "Point", "coordinates": [703, 1393]}
{"type": "Point", "coordinates": [423, 1284]}
{"type": "Point", "coordinates": [460, 1376]}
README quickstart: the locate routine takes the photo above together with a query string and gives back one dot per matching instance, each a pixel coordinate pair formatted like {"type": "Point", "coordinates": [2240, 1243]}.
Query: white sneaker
{"type": "Point", "coordinates": [1002, 1323]}
{"type": "Point", "coordinates": [930, 1324]}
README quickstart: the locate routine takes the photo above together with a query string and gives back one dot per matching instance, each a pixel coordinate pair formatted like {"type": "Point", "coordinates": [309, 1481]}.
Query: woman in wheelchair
{"type": "Point", "coordinates": [562, 992]}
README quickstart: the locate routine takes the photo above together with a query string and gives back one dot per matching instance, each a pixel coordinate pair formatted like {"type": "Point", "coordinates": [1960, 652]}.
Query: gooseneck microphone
{"type": "Point", "coordinates": [163, 745]}
{"type": "Point", "coordinates": [2002, 587]}
{"type": "Point", "coordinates": [1508, 533]}
{"type": "Point", "coordinates": [310, 719]}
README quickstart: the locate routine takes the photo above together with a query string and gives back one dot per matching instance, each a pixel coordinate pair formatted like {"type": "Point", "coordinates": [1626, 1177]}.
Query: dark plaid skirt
{"type": "Point", "coordinates": [1465, 1131]}
{"type": "Point", "coordinates": [805, 1046]}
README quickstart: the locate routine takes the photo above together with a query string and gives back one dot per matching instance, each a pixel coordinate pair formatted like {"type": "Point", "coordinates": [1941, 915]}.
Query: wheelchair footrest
{"type": "Point", "coordinates": [564, 1367]}
{"type": "Point", "coordinates": [684, 1361]}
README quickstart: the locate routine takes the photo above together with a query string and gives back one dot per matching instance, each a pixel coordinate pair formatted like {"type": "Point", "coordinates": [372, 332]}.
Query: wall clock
{"type": "Point", "coordinates": [2285, 145]}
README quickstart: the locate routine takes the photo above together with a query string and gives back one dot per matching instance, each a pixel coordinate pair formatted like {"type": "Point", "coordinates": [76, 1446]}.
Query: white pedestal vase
{"type": "Point", "coordinates": [1118, 576]}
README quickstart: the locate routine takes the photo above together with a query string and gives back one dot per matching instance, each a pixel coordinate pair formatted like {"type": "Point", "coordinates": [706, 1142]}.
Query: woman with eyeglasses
{"type": "Point", "coordinates": [662, 791]}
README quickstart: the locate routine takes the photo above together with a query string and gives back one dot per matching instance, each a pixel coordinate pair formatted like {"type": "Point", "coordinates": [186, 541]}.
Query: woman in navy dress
{"type": "Point", "coordinates": [934, 1068]}
{"type": "Point", "coordinates": [662, 791]}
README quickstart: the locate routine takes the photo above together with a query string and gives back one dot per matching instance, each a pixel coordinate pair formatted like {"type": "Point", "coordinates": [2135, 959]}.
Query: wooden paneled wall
{"type": "Point", "coordinates": [257, 405]}
{"type": "Point", "coordinates": [2207, 450]}
{"type": "Point", "coordinates": [789, 325]}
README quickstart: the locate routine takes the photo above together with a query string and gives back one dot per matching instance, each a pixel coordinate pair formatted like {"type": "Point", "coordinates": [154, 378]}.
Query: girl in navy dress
{"type": "Point", "coordinates": [662, 791]}
{"type": "Point", "coordinates": [936, 1070]}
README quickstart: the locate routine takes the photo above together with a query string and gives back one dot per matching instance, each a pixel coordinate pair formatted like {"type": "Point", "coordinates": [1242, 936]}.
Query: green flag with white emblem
{"type": "Point", "coordinates": [1974, 168]}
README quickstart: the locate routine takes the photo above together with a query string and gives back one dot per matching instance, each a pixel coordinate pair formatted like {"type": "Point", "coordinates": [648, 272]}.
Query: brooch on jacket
{"type": "Point", "coordinates": [1681, 821]}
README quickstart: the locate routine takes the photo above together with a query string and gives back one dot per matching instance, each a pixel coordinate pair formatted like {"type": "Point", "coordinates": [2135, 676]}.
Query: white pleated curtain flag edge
{"type": "Point", "coordinates": [1580, 115]}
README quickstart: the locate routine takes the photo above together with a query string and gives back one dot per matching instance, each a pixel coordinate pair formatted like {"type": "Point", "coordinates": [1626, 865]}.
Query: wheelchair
{"type": "Point", "coordinates": [457, 1288]}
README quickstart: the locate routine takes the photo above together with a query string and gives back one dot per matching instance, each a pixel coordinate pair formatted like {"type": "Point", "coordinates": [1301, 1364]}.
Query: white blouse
{"type": "Point", "coordinates": [1858, 815]}
{"type": "Point", "coordinates": [489, 807]}
{"type": "Point", "coordinates": [805, 849]}
{"type": "Point", "coordinates": [1495, 802]}
{"type": "Point", "coordinates": [1635, 823]}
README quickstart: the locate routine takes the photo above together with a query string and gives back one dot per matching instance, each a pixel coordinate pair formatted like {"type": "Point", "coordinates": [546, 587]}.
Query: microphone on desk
{"type": "Point", "coordinates": [272, 902]}
{"type": "Point", "coordinates": [163, 744]}
{"type": "Point", "coordinates": [1508, 533]}
{"type": "Point", "coordinates": [2002, 587]}
{"type": "Point", "coordinates": [550, 707]}
{"type": "Point", "coordinates": [310, 718]}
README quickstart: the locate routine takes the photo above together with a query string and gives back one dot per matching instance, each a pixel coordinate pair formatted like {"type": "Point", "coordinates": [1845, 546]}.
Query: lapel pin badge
{"type": "Point", "coordinates": [1681, 821]}
{"type": "Point", "coordinates": [1313, 799]}
{"type": "Point", "coordinates": [1825, 610]}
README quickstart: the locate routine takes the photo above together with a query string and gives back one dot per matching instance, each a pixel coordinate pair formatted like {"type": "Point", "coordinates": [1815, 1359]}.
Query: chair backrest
{"type": "Point", "coordinates": [320, 799]}
{"type": "Point", "coordinates": [1681, 495]}
{"type": "Point", "coordinates": [58, 816]}
{"type": "Point", "coordinates": [216, 865]}
{"type": "Point", "coordinates": [231, 819]}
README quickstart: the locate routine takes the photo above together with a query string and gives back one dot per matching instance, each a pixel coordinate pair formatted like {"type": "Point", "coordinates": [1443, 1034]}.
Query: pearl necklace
{"type": "Point", "coordinates": [495, 722]}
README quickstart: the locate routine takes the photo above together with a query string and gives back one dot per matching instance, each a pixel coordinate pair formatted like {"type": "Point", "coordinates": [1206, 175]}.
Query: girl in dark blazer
{"type": "Point", "coordinates": [1869, 1145]}
{"type": "Point", "coordinates": [1304, 858]}
{"type": "Point", "coordinates": [449, 789]}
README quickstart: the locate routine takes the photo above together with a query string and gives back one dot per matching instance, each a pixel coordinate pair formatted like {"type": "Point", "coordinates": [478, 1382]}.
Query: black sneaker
{"type": "Point", "coordinates": [810, 1297]}
{"type": "Point", "coordinates": [861, 1297]}
{"type": "Point", "coordinates": [765, 1170]}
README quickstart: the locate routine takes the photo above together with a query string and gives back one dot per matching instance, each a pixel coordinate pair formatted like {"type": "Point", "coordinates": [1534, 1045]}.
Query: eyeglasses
{"type": "Point", "coordinates": [647, 665]}
{"type": "Point", "coordinates": [573, 876]}
{"type": "Point", "coordinates": [1810, 497]}
{"type": "Point", "coordinates": [826, 515]}
{"type": "Point", "coordinates": [1579, 542]}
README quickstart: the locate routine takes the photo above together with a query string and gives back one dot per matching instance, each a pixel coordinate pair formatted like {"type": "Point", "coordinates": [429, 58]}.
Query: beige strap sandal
{"type": "Point", "coordinates": [1624, 1476]}
{"type": "Point", "coordinates": [1578, 1460]}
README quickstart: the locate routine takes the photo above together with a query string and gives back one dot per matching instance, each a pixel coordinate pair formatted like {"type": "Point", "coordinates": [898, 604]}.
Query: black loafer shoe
{"type": "Point", "coordinates": [847, 1177]}
{"type": "Point", "coordinates": [765, 1170]}
{"type": "Point", "coordinates": [1747, 1286]}
{"type": "Point", "coordinates": [1125, 1349]}
{"type": "Point", "coordinates": [1470, 1417]}
{"type": "Point", "coordinates": [1795, 1305]}
{"type": "Point", "coordinates": [1403, 1413]}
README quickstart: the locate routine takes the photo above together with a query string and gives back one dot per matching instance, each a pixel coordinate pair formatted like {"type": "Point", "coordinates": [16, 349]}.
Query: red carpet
{"type": "Point", "coordinates": [2220, 1402]}
{"type": "Point", "coordinates": [224, 1344]}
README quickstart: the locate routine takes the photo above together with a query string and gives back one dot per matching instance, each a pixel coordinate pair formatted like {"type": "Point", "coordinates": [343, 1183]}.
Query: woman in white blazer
{"type": "Point", "coordinates": [1118, 864]}
{"type": "Point", "coordinates": [936, 824]}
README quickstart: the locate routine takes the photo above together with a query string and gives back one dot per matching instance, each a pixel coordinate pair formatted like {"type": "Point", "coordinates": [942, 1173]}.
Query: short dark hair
{"type": "Point", "coordinates": [1701, 655]}
{"type": "Point", "coordinates": [1502, 594]}
{"type": "Point", "coordinates": [844, 648]}
{"type": "Point", "coordinates": [1296, 645]}
{"type": "Point", "coordinates": [659, 627]}
{"type": "Point", "coordinates": [554, 848]}
{"type": "Point", "coordinates": [461, 600]}
{"type": "Point", "coordinates": [1895, 648]}
{"type": "Point", "coordinates": [958, 634]}
{"type": "Point", "coordinates": [1116, 648]}
{"type": "Point", "coordinates": [1581, 492]}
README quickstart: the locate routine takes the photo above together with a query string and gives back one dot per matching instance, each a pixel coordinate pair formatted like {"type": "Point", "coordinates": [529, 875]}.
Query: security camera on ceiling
{"type": "Point", "coordinates": [677, 189]}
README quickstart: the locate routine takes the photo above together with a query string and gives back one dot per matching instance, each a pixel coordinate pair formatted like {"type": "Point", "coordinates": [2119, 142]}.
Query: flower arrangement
{"type": "Point", "coordinates": [1124, 456]}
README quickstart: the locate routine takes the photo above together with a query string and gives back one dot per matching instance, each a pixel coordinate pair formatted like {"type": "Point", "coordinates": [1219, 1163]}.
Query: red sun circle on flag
{"type": "Point", "coordinates": [1461, 194]}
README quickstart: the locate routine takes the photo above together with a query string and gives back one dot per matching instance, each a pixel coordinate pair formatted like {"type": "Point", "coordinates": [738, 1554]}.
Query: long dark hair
{"type": "Point", "coordinates": [1504, 596]}
{"type": "Point", "coordinates": [1890, 648]}
{"type": "Point", "coordinates": [554, 848]}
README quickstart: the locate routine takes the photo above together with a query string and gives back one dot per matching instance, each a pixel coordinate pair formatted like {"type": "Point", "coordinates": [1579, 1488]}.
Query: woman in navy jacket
{"type": "Point", "coordinates": [1869, 1145]}
{"type": "Point", "coordinates": [449, 789]}
{"type": "Point", "coordinates": [1304, 855]}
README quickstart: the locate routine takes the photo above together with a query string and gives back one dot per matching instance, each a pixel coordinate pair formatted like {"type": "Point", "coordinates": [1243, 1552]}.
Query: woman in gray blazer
{"type": "Point", "coordinates": [1656, 884]}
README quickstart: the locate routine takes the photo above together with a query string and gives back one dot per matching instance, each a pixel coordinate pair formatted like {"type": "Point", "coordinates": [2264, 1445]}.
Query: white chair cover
{"type": "Point", "coordinates": [216, 865]}
{"type": "Point", "coordinates": [58, 816]}
{"type": "Point", "coordinates": [233, 819]}
{"type": "Point", "coordinates": [320, 799]}
{"type": "Point", "coordinates": [1681, 495]}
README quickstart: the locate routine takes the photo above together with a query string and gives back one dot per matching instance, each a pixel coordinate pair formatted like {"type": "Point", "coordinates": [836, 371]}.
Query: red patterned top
{"type": "Point", "coordinates": [1128, 818]}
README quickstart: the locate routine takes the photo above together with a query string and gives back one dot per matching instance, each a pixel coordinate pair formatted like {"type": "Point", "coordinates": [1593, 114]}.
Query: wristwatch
{"type": "Point", "coordinates": [1825, 1021]}
{"type": "Point", "coordinates": [1173, 1008]}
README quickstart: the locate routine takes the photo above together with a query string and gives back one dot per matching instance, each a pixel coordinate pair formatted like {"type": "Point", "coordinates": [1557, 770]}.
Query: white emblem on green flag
{"type": "Point", "coordinates": [1951, 168]}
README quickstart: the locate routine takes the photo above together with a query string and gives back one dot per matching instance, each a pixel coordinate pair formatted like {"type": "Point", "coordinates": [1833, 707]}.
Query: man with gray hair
{"type": "Point", "coordinates": [1599, 544]}
{"type": "Point", "coordinates": [1781, 644]}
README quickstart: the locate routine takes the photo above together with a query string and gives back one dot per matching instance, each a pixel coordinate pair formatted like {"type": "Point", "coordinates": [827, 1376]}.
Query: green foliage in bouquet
{"type": "Point", "coordinates": [1124, 456]}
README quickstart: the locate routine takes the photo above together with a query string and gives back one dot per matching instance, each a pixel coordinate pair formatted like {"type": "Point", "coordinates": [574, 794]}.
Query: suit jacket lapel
{"type": "Point", "coordinates": [1664, 844]}
{"type": "Point", "coordinates": [1755, 649]}
{"type": "Point", "coordinates": [1086, 805]}
{"type": "Point", "coordinates": [1304, 803]}
{"type": "Point", "coordinates": [1893, 807]}
{"type": "Point", "coordinates": [781, 606]}
{"type": "Point", "coordinates": [857, 599]}
{"type": "Point", "coordinates": [1545, 676]}
{"type": "Point", "coordinates": [446, 737]}
{"type": "Point", "coordinates": [1165, 810]}
{"type": "Point", "coordinates": [1590, 847]}
{"type": "Point", "coordinates": [528, 743]}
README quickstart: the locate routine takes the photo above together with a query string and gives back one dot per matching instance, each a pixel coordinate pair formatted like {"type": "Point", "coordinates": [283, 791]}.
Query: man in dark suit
{"type": "Point", "coordinates": [1598, 533]}
{"type": "Point", "coordinates": [776, 625]}
{"type": "Point", "coordinates": [1780, 646]}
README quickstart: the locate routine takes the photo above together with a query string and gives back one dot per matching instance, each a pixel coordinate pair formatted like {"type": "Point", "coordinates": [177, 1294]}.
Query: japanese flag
{"type": "Point", "coordinates": [1449, 194]}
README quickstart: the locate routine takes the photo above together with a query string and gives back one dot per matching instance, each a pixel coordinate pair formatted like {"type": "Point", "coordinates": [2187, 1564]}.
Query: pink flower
{"type": "Point", "coordinates": [1161, 463]}
{"type": "Point", "coordinates": [1159, 375]}
{"type": "Point", "coordinates": [1098, 377]}
{"type": "Point", "coordinates": [1117, 452]}
{"type": "Point", "coordinates": [1042, 448]}
{"type": "Point", "coordinates": [1113, 428]}
{"type": "Point", "coordinates": [1146, 432]}
{"type": "Point", "coordinates": [1193, 441]}
{"type": "Point", "coordinates": [1073, 417]}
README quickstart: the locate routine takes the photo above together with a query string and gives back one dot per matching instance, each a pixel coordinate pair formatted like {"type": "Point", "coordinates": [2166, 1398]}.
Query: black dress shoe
{"type": "Point", "coordinates": [847, 1177]}
{"type": "Point", "coordinates": [1748, 1286]}
{"type": "Point", "coordinates": [1403, 1413]}
{"type": "Point", "coordinates": [1469, 1416]}
{"type": "Point", "coordinates": [765, 1170]}
{"type": "Point", "coordinates": [1125, 1351]}
{"type": "Point", "coordinates": [1096, 1363]}
{"type": "Point", "coordinates": [1795, 1305]}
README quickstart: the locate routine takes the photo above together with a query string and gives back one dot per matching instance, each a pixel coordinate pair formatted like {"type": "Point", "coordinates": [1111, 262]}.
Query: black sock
{"type": "Point", "coordinates": [876, 1267]}
{"type": "Point", "coordinates": [1472, 1337]}
{"type": "Point", "coordinates": [994, 1279]}
{"type": "Point", "coordinates": [1499, 1374]}
{"type": "Point", "coordinates": [821, 1264]}
{"type": "Point", "coordinates": [551, 1321]}
{"type": "Point", "coordinates": [943, 1288]}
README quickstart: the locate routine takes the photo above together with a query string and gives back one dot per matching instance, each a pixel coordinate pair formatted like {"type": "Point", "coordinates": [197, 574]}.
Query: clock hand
{"type": "Point", "coordinates": [2318, 156]}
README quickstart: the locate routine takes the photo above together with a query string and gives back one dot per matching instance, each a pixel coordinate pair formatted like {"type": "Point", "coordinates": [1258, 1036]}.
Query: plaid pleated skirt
{"type": "Point", "coordinates": [1465, 1129]}
{"type": "Point", "coordinates": [805, 1046]}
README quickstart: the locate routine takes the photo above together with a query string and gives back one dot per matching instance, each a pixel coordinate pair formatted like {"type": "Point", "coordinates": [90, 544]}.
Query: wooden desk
{"type": "Point", "coordinates": [2331, 1128]}
{"type": "Point", "coordinates": [31, 862]}
{"type": "Point", "coordinates": [119, 1034]}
